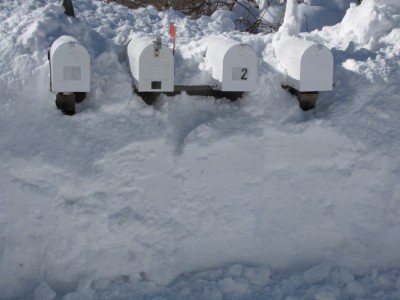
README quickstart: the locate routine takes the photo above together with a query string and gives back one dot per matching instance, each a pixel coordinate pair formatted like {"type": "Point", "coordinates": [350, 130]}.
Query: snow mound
{"type": "Point", "coordinates": [124, 200]}
{"type": "Point", "coordinates": [240, 282]}
{"type": "Point", "coordinates": [365, 25]}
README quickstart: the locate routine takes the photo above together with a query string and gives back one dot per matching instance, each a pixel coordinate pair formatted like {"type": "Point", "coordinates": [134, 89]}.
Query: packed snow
{"type": "Point", "coordinates": [196, 197]}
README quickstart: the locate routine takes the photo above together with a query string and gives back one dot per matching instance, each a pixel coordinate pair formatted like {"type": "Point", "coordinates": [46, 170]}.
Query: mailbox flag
{"type": "Point", "coordinates": [172, 33]}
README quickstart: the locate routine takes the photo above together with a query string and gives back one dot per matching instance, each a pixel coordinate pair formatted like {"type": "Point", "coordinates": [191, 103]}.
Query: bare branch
{"type": "Point", "coordinates": [197, 8]}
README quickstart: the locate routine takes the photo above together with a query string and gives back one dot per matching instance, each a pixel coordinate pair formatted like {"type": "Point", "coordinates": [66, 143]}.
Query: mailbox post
{"type": "Point", "coordinates": [69, 72]}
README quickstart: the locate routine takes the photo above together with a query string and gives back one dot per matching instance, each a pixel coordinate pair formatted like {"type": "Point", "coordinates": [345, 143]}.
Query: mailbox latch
{"type": "Point", "coordinates": [157, 46]}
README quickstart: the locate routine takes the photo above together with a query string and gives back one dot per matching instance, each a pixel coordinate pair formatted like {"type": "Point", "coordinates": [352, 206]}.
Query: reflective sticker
{"type": "Point", "coordinates": [156, 85]}
{"type": "Point", "coordinates": [71, 73]}
{"type": "Point", "coordinates": [239, 73]}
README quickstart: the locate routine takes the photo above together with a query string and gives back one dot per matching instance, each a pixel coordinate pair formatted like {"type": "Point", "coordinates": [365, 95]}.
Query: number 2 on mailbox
{"type": "Point", "coordinates": [239, 73]}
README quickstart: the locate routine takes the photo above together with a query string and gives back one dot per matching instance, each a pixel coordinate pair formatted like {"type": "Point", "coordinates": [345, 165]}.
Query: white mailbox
{"type": "Point", "coordinates": [69, 66]}
{"type": "Point", "coordinates": [233, 65]}
{"type": "Point", "coordinates": [308, 66]}
{"type": "Point", "coordinates": [151, 64]}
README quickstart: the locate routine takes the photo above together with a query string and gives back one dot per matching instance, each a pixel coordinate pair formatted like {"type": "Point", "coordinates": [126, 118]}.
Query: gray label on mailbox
{"type": "Point", "coordinates": [72, 73]}
{"type": "Point", "coordinates": [240, 73]}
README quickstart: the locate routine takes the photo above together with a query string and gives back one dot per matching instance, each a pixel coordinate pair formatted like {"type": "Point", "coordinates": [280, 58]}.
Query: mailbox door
{"type": "Point", "coordinates": [70, 68]}
{"type": "Point", "coordinates": [240, 69]}
{"type": "Point", "coordinates": [156, 72]}
{"type": "Point", "coordinates": [316, 69]}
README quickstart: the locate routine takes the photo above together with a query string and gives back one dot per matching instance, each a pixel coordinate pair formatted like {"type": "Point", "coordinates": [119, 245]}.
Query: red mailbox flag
{"type": "Point", "coordinates": [172, 33]}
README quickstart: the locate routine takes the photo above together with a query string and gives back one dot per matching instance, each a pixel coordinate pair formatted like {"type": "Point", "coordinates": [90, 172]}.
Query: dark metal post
{"type": "Point", "coordinates": [69, 8]}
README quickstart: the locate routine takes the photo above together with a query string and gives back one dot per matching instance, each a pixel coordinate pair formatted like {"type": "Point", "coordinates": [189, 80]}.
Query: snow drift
{"type": "Point", "coordinates": [124, 196]}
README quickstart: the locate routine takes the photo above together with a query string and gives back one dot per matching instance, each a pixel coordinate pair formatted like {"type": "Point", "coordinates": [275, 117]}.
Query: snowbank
{"type": "Point", "coordinates": [243, 282]}
{"type": "Point", "coordinates": [122, 198]}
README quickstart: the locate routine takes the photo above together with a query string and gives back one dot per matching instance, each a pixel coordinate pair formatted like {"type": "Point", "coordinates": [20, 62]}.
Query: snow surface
{"type": "Point", "coordinates": [197, 198]}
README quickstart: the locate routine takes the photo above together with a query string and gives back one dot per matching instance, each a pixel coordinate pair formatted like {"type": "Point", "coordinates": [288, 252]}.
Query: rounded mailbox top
{"type": "Point", "coordinates": [138, 46]}
{"type": "Point", "coordinates": [63, 40]}
{"type": "Point", "coordinates": [292, 50]}
{"type": "Point", "coordinates": [223, 52]}
{"type": "Point", "coordinates": [218, 48]}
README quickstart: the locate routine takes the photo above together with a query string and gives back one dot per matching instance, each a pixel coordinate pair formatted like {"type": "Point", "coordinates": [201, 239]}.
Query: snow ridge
{"type": "Point", "coordinates": [127, 201]}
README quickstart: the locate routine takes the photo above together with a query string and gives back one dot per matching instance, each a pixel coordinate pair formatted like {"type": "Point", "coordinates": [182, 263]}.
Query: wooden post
{"type": "Point", "coordinates": [69, 8]}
